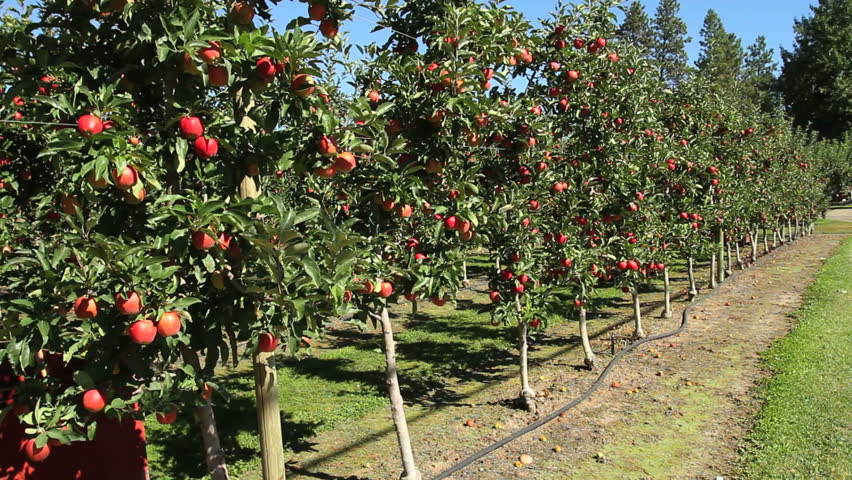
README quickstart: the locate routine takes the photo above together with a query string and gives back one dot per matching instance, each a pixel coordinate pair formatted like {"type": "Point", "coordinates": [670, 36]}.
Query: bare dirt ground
{"type": "Point", "coordinates": [682, 408]}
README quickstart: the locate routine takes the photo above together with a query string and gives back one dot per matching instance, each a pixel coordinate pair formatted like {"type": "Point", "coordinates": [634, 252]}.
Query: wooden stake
{"type": "Point", "coordinates": [268, 416]}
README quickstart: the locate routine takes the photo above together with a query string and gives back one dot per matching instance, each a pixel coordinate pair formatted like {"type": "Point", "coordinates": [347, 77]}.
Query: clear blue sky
{"type": "Point", "coordinates": [746, 18]}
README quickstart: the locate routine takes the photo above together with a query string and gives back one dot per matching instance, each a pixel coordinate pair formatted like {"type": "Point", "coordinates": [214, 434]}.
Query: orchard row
{"type": "Point", "coordinates": [178, 182]}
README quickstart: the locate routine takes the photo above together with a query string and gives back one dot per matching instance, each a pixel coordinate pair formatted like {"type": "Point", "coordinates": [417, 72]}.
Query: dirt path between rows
{"type": "Point", "coordinates": [682, 409]}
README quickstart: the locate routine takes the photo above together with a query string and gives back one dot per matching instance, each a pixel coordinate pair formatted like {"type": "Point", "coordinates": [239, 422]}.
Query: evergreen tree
{"type": "Point", "coordinates": [721, 55]}
{"type": "Point", "coordinates": [758, 76]}
{"type": "Point", "coordinates": [669, 47]}
{"type": "Point", "coordinates": [815, 78]}
{"type": "Point", "coordinates": [636, 28]}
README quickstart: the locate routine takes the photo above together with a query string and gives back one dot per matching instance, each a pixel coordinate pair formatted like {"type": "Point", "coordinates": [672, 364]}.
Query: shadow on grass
{"type": "Point", "coordinates": [182, 442]}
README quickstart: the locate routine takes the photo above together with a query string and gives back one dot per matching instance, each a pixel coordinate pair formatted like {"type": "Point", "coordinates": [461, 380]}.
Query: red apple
{"type": "Point", "coordinates": [206, 147]}
{"type": "Point", "coordinates": [202, 241]}
{"type": "Point", "coordinates": [93, 401]}
{"type": "Point", "coordinates": [191, 127]}
{"type": "Point", "coordinates": [169, 324]}
{"type": "Point", "coordinates": [85, 307]}
{"type": "Point", "coordinates": [130, 305]}
{"type": "Point", "coordinates": [267, 342]}
{"type": "Point", "coordinates": [143, 332]}
{"type": "Point", "coordinates": [89, 125]}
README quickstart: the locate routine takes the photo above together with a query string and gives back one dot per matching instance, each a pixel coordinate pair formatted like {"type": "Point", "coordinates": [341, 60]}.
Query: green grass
{"type": "Point", "coordinates": [339, 384]}
{"type": "Point", "coordinates": [805, 428]}
{"type": "Point", "coordinates": [833, 226]}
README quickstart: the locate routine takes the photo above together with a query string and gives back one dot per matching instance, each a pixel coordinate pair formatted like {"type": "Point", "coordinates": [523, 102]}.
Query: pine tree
{"type": "Point", "coordinates": [815, 76]}
{"type": "Point", "coordinates": [669, 47]}
{"type": "Point", "coordinates": [758, 76]}
{"type": "Point", "coordinates": [721, 55]}
{"type": "Point", "coordinates": [636, 28]}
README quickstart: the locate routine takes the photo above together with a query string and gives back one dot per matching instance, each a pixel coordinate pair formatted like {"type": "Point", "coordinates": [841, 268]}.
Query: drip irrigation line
{"type": "Point", "coordinates": [595, 386]}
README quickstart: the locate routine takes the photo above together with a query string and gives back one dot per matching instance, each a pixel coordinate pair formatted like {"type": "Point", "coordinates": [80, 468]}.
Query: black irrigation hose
{"type": "Point", "coordinates": [588, 393]}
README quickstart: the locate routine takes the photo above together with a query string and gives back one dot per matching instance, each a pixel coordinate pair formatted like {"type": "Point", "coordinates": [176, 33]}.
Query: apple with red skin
{"type": "Point", "coordinates": [85, 307]}
{"type": "Point", "coordinates": [267, 342]}
{"type": "Point", "coordinates": [242, 13]}
{"type": "Point", "coordinates": [265, 68]}
{"type": "Point", "coordinates": [201, 240]}
{"type": "Point", "coordinates": [317, 11]}
{"type": "Point", "coordinates": [494, 296]}
{"type": "Point", "coordinates": [94, 401]}
{"type": "Point", "coordinates": [633, 265]}
{"type": "Point", "coordinates": [326, 146]}
{"type": "Point", "coordinates": [210, 54]}
{"type": "Point", "coordinates": [35, 454]}
{"type": "Point", "coordinates": [572, 75]}
{"type": "Point", "coordinates": [579, 43]}
{"type": "Point", "coordinates": [438, 301]}
{"type": "Point", "coordinates": [217, 76]}
{"type": "Point", "coordinates": [385, 289]}
{"type": "Point", "coordinates": [191, 127]}
{"type": "Point", "coordinates": [89, 125]}
{"type": "Point", "coordinates": [206, 147]}
{"type": "Point", "coordinates": [129, 305]}
{"type": "Point", "coordinates": [507, 274]}
{"type": "Point", "coordinates": [143, 332]}
{"type": "Point", "coordinates": [451, 222]}
{"type": "Point", "coordinates": [126, 179]}
{"type": "Point", "coordinates": [328, 28]}
{"type": "Point", "coordinates": [169, 324]}
{"type": "Point", "coordinates": [345, 162]}
{"type": "Point", "coordinates": [303, 85]}
{"type": "Point", "coordinates": [167, 418]}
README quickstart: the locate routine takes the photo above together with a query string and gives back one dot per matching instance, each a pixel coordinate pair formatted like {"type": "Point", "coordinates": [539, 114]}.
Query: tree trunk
{"type": "Point", "coordinates": [465, 281]}
{"type": "Point", "coordinates": [527, 395]}
{"type": "Point", "coordinates": [667, 294]}
{"type": "Point", "coordinates": [729, 264]}
{"type": "Point", "coordinates": [765, 242]}
{"type": "Point", "coordinates": [637, 314]}
{"type": "Point", "coordinates": [214, 457]}
{"type": "Point", "coordinates": [589, 359]}
{"type": "Point", "coordinates": [693, 291]}
{"type": "Point", "coordinates": [740, 263]}
{"type": "Point", "coordinates": [268, 416]}
{"type": "Point", "coordinates": [754, 245]}
{"type": "Point", "coordinates": [414, 307]}
{"type": "Point", "coordinates": [774, 238]}
{"type": "Point", "coordinates": [409, 469]}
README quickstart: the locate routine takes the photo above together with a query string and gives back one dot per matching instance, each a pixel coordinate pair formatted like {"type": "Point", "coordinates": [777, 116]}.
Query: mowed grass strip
{"type": "Point", "coordinates": [804, 431]}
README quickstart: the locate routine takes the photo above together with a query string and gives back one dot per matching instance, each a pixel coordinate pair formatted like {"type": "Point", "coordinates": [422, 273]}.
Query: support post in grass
{"type": "Point", "coordinates": [266, 390]}
{"type": "Point", "coordinates": [667, 295]}
{"type": "Point", "coordinates": [713, 271]}
{"type": "Point", "coordinates": [409, 468]}
{"type": "Point", "coordinates": [693, 291]}
{"type": "Point", "coordinates": [268, 416]}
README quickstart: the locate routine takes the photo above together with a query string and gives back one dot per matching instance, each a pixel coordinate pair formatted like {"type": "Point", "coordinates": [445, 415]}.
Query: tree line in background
{"type": "Point", "coordinates": [185, 187]}
{"type": "Point", "coordinates": [812, 86]}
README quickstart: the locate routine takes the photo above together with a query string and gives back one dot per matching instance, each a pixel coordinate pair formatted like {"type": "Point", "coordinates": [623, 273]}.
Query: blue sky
{"type": "Point", "coordinates": [746, 18]}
